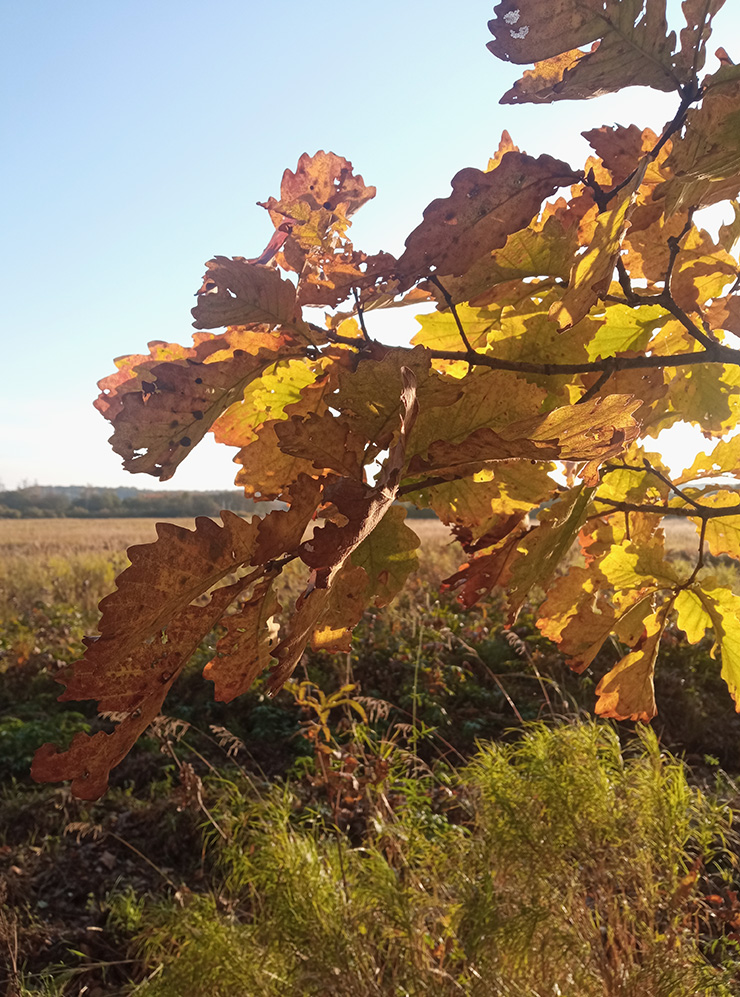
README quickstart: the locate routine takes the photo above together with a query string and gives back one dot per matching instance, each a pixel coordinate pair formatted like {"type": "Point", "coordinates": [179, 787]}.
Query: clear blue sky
{"type": "Point", "coordinates": [139, 134]}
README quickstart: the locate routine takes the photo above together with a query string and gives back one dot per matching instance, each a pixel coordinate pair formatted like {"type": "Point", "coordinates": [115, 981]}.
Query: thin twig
{"type": "Point", "coordinates": [691, 327]}
{"type": "Point", "coordinates": [625, 282]}
{"type": "Point", "coordinates": [433, 279]}
{"type": "Point", "coordinates": [700, 559]}
{"type": "Point", "coordinates": [597, 385]}
{"type": "Point", "coordinates": [648, 467]}
{"type": "Point", "coordinates": [689, 95]}
{"type": "Point", "coordinates": [360, 314]}
{"type": "Point", "coordinates": [674, 247]}
{"type": "Point", "coordinates": [667, 481]}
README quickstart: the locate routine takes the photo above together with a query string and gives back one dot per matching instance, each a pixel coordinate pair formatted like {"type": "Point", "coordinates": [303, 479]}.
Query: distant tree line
{"type": "Point", "coordinates": [78, 502]}
{"type": "Point", "coordinates": [52, 502]}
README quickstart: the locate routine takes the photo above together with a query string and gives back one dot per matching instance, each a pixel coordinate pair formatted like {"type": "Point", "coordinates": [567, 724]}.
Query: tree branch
{"type": "Point", "coordinates": [670, 305]}
{"type": "Point", "coordinates": [689, 95]}
{"type": "Point", "coordinates": [715, 353]}
{"type": "Point", "coordinates": [674, 246]}
{"type": "Point", "coordinates": [700, 559]}
{"type": "Point", "coordinates": [597, 385]}
{"type": "Point", "coordinates": [700, 512]}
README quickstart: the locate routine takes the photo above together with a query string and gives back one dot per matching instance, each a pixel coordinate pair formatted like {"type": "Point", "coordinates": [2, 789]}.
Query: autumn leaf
{"type": "Point", "coordinates": [591, 274]}
{"type": "Point", "coordinates": [632, 46]}
{"type": "Point", "coordinates": [705, 159]}
{"type": "Point", "coordinates": [164, 578]}
{"type": "Point", "coordinates": [235, 292]}
{"type": "Point", "coordinates": [486, 571]}
{"type": "Point", "coordinates": [525, 558]}
{"type": "Point", "coordinates": [579, 616]}
{"type": "Point", "coordinates": [627, 691]}
{"type": "Point", "coordinates": [342, 610]}
{"type": "Point", "coordinates": [482, 211]}
{"type": "Point", "coordinates": [708, 605]}
{"type": "Point", "coordinates": [487, 506]}
{"type": "Point", "coordinates": [599, 429]}
{"type": "Point", "coordinates": [369, 395]}
{"type": "Point", "coordinates": [388, 556]}
{"type": "Point", "coordinates": [268, 397]}
{"type": "Point", "coordinates": [363, 509]}
{"type": "Point", "coordinates": [722, 533]}
{"type": "Point", "coordinates": [164, 409]}
{"type": "Point", "coordinates": [143, 680]}
{"type": "Point", "coordinates": [545, 248]}
{"type": "Point", "coordinates": [317, 199]}
{"type": "Point", "coordinates": [499, 400]}
{"type": "Point", "coordinates": [326, 440]}
{"type": "Point", "coordinates": [244, 650]}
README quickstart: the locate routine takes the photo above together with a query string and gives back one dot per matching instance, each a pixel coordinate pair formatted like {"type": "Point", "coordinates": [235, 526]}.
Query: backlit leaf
{"type": "Point", "coordinates": [627, 692]}
{"type": "Point", "coordinates": [705, 160]}
{"type": "Point", "coordinates": [161, 408]}
{"type": "Point", "coordinates": [591, 274]}
{"type": "Point", "coordinates": [235, 292]}
{"type": "Point", "coordinates": [723, 609]}
{"type": "Point", "coordinates": [244, 651]}
{"type": "Point", "coordinates": [483, 209]}
{"type": "Point", "coordinates": [388, 556]}
{"type": "Point", "coordinates": [592, 432]}
{"type": "Point", "coordinates": [632, 47]}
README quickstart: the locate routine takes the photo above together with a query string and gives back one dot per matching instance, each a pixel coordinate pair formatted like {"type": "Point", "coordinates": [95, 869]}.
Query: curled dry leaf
{"type": "Point", "coordinates": [235, 292]}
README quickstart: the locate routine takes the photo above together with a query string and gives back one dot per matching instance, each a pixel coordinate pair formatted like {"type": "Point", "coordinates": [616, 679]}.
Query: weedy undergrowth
{"type": "Point", "coordinates": [561, 864]}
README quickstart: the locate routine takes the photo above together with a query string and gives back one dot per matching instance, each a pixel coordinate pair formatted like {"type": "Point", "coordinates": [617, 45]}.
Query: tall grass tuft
{"type": "Point", "coordinates": [563, 865]}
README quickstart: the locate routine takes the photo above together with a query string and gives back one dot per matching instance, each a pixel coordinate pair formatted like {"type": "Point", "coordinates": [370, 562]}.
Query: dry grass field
{"type": "Point", "coordinates": [75, 561]}
{"type": "Point", "coordinates": [60, 537]}
{"type": "Point", "coordinates": [55, 537]}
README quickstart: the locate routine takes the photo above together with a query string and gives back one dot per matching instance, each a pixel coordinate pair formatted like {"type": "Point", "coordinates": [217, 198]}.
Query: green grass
{"type": "Point", "coordinates": [560, 864]}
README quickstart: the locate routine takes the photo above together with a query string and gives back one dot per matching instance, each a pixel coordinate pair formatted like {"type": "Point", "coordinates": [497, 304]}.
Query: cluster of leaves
{"type": "Point", "coordinates": [567, 332]}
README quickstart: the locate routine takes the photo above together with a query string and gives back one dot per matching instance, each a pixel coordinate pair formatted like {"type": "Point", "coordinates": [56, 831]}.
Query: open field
{"type": "Point", "coordinates": [30, 537]}
{"type": "Point", "coordinates": [53, 537]}
{"type": "Point", "coordinates": [76, 561]}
